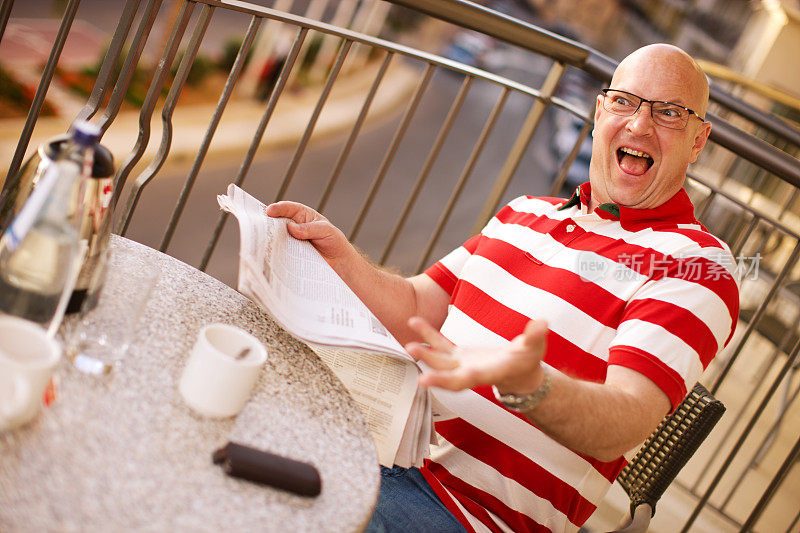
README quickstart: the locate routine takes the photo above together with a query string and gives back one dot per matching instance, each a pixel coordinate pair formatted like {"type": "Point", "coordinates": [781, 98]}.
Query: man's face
{"type": "Point", "coordinates": [617, 172]}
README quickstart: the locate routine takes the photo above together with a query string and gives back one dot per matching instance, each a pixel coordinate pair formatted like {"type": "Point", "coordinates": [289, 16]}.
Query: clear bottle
{"type": "Point", "coordinates": [39, 252]}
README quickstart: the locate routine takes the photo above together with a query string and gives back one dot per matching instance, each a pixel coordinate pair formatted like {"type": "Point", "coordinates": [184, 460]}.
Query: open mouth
{"type": "Point", "coordinates": [633, 161]}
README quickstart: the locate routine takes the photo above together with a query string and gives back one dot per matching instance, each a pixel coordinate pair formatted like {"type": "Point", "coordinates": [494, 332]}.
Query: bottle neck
{"type": "Point", "coordinates": [64, 197]}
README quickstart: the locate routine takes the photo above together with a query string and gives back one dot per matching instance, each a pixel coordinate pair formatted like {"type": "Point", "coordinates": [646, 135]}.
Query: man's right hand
{"type": "Point", "coordinates": [306, 224]}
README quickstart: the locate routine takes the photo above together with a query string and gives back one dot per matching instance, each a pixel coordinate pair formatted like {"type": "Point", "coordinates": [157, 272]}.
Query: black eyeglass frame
{"type": "Point", "coordinates": [651, 102]}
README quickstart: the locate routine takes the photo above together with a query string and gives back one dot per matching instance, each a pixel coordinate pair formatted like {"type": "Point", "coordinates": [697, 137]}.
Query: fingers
{"type": "Point", "coordinates": [463, 376]}
{"type": "Point", "coordinates": [534, 337]}
{"type": "Point", "coordinates": [295, 211]}
{"type": "Point", "coordinates": [429, 334]}
{"type": "Point", "coordinates": [513, 365]}
{"type": "Point", "coordinates": [435, 359]}
{"type": "Point", "coordinates": [311, 231]}
{"type": "Point", "coordinates": [454, 381]}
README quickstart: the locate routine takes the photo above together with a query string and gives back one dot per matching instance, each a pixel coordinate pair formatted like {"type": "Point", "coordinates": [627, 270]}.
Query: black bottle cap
{"type": "Point", "coordinates": [103, 165]}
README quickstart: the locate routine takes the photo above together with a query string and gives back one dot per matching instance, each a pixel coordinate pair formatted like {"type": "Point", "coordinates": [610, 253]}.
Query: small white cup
{"type": "Point", "coordinates": [222, 368]}
{"type": "Point", "coordinates": [28, 358]}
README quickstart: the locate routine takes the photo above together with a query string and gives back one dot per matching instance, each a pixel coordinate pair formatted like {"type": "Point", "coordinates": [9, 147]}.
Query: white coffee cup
{"type": "Point", "coordinates": [28, 358]}
{"type": "Point", "coordinates": [222, 368]}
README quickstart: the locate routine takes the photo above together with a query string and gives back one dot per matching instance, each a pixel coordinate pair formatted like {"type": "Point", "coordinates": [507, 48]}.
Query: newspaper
{"type": "Point", "coordinates": [291, 281]}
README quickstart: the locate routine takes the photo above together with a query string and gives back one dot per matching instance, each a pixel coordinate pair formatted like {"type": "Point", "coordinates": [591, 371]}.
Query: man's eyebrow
{"type": "Point", "coordinates": [676, 101]}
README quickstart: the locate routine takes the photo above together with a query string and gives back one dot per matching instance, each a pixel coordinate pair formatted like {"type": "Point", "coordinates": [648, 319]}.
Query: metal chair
{"type": "Point", "coordinates": [664, 453]}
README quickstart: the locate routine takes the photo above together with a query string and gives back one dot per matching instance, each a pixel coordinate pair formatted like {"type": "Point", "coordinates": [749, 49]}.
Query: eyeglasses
{"type": "Point", "coordinates": [665, 114]}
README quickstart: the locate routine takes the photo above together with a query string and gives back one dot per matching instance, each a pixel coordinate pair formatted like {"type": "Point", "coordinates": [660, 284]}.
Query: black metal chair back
{"type": "Point", "coordinates": [665, 452]}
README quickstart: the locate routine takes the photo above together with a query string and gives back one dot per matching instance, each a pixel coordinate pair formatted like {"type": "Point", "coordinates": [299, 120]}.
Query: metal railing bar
{"type": "Point", "coordinates": [703, 208]}
{"type": "Point", "coordinates": [101, 84]}
{"type": "Point", "coordinates": [41, 92]}
{"type": "Point", "coordinates": [756, 116]}
{"type": "Point", "coordinates": [166, 117]}
{"type": "Point", "coordinates": [780, 475]}
{"type": "Point", "coordinates": [280, 84]}
{"type": "Point", "coordinates": [599, 66]}
{"type": "Point", "coordinates": [312, 122]}
{"type": "Point", "coordinates": [530, 37]}
{"type": "Point", "coordinates": [776, 352]}
{"type": "Point", "coordinates": [731, 520]}
{"type": "Point", "coordinates": [756, 182]}
{"type": "Point", "coordinates": [222, 103]}
{"type": "Point", "coordinates": [748, 428]}
{"type": "Point", "coordinates": [577, 112]}
{"type": "Point", "coordinates": [395, 143]}
{"type": "Point", "coordinates": [738, 445]}
{"type": "Point", "coordinates": [786, 207]}
{"type": "Point", "coordinates": [150, 100]}
{"type": "Point", "coordinates": [742, 239]}
{"type": "Point", "coordinates": [558, 183]}
{"type": "Point", "coordinates": [5, 13]}
{"type": "Point", "coordinates": [488, 127]}
{"type": "Point", "coordinates": [756, 317]}
{"type": "Point", "coordinates": [131, 60]}
{"type": "Point", "coordinates": [787, 402]}
{"type": "Point", "coordinates": [441, 137]}
{"type": "Point", "coordinates": [502, 27]}
{"type": "Point", "coordinates": [717, 382]}
{"type": "Point", "coordinates": [794, 523]}
{"type": "Point", "coordinates": [750, 209]}
{"type": "Point", "coordinates": [755, 460]}
{"type": "Point", "coordinates": [520, 146]}
{"type": "Point", "coordinates": [756, 151]}
{"type": "Point", "coordinates": [348, 146]}
{"type": "Point", "coordinates": [374, 42]}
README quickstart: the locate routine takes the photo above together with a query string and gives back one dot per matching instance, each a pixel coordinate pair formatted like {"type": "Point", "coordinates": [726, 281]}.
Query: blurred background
{"type": "Point", "coordinates": [410, 130]}
{"type": "Point", "coordinates": [746, 46]}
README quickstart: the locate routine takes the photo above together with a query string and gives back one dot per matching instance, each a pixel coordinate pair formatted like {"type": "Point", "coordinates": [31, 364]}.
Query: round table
{"type": "Point", "coordinates": [126, 453]}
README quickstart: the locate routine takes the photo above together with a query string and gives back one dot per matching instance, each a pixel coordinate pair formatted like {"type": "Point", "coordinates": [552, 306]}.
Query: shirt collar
{"type": "Point", "coordinates": [677, 210]}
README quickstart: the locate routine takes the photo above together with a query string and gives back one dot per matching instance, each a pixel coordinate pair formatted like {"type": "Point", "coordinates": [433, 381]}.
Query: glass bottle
{"type": "Point", "coordinates": [40, 250]}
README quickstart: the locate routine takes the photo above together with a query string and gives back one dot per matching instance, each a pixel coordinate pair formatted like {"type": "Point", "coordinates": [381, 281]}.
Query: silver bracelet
{"type": "Point", "coordinates": [523, 403]}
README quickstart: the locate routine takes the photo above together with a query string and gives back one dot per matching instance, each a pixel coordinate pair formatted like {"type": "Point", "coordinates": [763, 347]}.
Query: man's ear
{"type": "Point", "coordinates": [700, 139]}
{"type": "Point", "coordinates": [597, 106]}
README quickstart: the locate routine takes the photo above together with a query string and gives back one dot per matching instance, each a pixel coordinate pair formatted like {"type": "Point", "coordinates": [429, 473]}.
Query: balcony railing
{"type": "Point", "coordinates": [745, 190]}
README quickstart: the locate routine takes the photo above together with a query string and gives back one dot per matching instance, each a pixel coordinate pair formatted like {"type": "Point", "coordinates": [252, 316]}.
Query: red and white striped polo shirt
{"type": "Point", "coordinates": [649, 289]}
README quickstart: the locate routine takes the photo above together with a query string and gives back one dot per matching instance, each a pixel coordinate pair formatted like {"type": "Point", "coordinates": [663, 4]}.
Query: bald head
{"type": "Point", "coordinates": [638, 161]}
{"type": "Point", "coordinates": [674, 67]}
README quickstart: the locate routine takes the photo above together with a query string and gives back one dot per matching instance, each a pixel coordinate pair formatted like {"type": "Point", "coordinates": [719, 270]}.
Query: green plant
{"type": "Point", "coordinates": [229, 52]}
{"type": "Point", "coordinates": [199, 71]}
{"type": "Point", "coordinates": [11, 89]}
{"type": "Point", "coordinates": [19, 96]}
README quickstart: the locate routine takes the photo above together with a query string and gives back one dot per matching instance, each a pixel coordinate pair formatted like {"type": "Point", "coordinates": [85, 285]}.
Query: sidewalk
{"type": "Point", "coordinates": [239, 120]}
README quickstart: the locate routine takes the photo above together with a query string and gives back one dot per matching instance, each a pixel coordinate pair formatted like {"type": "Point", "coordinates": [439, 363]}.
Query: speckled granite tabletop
{"type": "Point", "coordinates": [127, 454]}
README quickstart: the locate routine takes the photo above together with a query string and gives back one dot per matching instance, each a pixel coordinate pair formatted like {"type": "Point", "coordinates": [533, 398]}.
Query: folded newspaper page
{"type": "Point", "coordinates": [292, 282]}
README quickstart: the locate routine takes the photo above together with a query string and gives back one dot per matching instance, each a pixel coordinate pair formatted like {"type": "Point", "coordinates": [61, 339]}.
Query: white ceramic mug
{"type": "Point", "coordinates": [28, 358]}
{"type": "Point", "coordinates": [222, 368]}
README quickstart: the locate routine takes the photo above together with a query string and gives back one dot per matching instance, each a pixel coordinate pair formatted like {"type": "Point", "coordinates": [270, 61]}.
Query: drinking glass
{"type": "Point", "coordinates": [97, 341]}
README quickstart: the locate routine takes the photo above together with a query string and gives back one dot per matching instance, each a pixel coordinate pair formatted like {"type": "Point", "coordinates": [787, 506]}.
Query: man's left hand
{"type": "Point", "coordinates": [513, 368]}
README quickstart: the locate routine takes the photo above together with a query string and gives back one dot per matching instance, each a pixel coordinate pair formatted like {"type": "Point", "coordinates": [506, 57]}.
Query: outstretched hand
{"type": "Point", "coordinates": [306, 224]}
{"type": "Point", "coordinates": [513, 368]}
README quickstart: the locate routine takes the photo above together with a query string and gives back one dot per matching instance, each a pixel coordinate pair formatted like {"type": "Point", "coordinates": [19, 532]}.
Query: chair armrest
{"type": "Point", "coordinates": [640, 521]}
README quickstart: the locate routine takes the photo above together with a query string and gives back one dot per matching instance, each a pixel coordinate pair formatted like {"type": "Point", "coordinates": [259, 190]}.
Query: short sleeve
{"type": "Point", "coordinates": [675, 324]}
{"type": "Point", "coordinates": [446, 271]}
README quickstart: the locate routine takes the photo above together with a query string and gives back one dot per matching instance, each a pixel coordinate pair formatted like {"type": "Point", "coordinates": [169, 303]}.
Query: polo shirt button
{"type": "Point", "coordinates": [570, 228]}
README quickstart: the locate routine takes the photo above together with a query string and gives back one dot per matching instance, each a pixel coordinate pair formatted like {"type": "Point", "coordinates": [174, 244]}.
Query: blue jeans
{"type": "Point", "coordinates": [408, 504]}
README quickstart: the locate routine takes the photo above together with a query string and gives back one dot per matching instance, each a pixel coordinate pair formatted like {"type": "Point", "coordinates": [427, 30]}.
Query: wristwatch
{"type": "Point", "coordinates": [522, 403]}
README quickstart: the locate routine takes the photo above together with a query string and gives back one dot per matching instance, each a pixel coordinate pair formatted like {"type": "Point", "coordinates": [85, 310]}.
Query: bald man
{"type": "Point", "coordinates": [556, 339]}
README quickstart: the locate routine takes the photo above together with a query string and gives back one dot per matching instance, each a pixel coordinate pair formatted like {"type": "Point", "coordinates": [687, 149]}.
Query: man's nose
{"type": "Point", "coordinates": [642, 120]}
